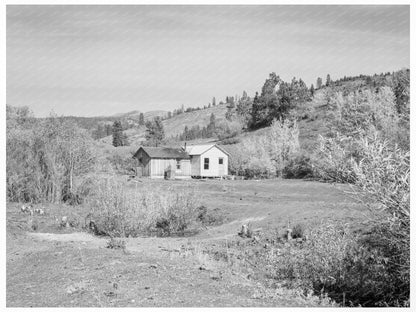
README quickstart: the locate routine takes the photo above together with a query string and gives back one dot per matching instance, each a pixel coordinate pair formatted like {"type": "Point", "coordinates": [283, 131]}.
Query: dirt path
{"type": "Point", "coordinates": [77, 270]}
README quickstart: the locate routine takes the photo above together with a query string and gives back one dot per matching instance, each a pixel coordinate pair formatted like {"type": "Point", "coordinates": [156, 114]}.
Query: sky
{"type": "Point", "coordinates": [91, 60]}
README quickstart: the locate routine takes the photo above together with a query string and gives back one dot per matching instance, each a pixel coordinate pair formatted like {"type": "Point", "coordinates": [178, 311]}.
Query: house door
{"type": "Point", "coordinates": [221, 170]}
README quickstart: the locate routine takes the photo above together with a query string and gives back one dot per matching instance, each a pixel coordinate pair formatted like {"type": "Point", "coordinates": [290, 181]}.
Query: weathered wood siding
{"type": "Point", "coordinates": [144, 162]}
{"type": "Point", "coordinates": [214, 154]}
{"type": "Point", "coordinates": [158, 167]}
{"type": "Point", "coordinates": [196, 165]}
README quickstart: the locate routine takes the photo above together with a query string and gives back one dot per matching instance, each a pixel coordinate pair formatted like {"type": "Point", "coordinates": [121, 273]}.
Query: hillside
{"type": "Point", "coordinates": [172, 126]}
{"type": "Point", "coordinates": [176, 124]}
{"type": "Point", "coordinates": [310, 126]}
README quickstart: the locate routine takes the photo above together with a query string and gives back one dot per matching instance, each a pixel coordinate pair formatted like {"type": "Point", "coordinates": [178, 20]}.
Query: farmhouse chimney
{"type": "Point", "coordinates": [184, 148]}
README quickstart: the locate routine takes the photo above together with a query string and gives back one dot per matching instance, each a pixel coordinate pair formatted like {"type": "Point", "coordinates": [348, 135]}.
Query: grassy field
{"type": "Point", "coordinates": [62, 267]}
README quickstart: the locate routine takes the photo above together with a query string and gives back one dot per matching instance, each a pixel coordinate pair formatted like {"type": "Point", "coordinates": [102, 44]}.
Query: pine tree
{"type": "Point", "coordinates": [318, 83]}
{"type": "Point", "coordinates": [117, 133]}
{"type": "Point", "coordinates": [155, 133]}
{"type": "Point", "coordinates": [211, 126]}
{"type": "Point", "coordinates": [213, 101]}
{"type": "Point", "coordinates": [141, 119]}
{"type": "Point", "coordinates": [328, 80]}
{"type": "Point", "coordinates": [312, 89]}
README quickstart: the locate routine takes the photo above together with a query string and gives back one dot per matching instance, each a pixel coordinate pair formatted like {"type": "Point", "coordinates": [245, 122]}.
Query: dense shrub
{"type": "Point", "coordinates": [121, 159]}
{"type": "Point", "coordinates": [267, 154]}
{"type": "Point", "coordinates": [230, 141]}
{"type": "Point", "coordinates": [120, 212]}
{"type": "Point", "coordinates": [45, 157]}
{"type": "Point", "coordinates": [343, 264]}
{"type": "Point", "coordinates": [379, 174]}
{"type": "Point", "coordinates": [210, 217]}
{"type": "Point", "coordinates": [298, 167]}
{"type": "Point", "coordinates": [334, 159]}
{"type": "Point", "coordinates": [298, 231]}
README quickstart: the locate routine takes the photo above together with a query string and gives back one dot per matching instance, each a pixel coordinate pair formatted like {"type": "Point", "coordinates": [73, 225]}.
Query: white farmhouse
{"type": "Point", "coordinates": [208, 160]}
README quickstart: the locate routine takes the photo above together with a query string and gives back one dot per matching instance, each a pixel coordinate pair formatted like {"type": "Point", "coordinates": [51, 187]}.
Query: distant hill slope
{"type": "Point", "coordinates": [309, 128]}
{"type": "Point", "coordinates": [135, 114]}
{"type": "Point", "coordinates": [173, 126]}
{"type": "Point", "coordinates": [176, 124]}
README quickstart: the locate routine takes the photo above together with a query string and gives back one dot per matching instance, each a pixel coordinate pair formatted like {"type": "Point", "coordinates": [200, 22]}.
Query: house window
{"type": "Point", "coordinates": [220, 161]}
{"type": "Point", "coordinates": [178, 165]}
{"type": "Point", "coordinates": [206, 163]}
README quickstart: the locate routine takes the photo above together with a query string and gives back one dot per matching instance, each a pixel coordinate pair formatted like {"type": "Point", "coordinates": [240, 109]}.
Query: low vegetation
{"type": "Point", "coordinates": [118, 211]}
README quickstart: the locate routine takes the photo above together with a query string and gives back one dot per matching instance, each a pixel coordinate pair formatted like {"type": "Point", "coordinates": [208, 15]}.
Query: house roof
{"type": "Point", "coordinates": [165, 152]}
{"type": "Point", "coordinates": [200, 149]}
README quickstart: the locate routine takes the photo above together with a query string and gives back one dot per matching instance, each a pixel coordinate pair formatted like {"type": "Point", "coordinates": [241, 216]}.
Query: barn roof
{"type": "Point", "coordinates": [165, 152]}
{"type": "Point", "coordinates": [200, 149]}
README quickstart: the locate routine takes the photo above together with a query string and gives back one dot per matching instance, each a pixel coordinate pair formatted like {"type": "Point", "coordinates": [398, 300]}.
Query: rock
{"type": "Point", "coordinates": [244, 231]}
{"type": "Point", "coordinates": [110, 293]}
{"type": "Point", "coordinates": [289, 234]}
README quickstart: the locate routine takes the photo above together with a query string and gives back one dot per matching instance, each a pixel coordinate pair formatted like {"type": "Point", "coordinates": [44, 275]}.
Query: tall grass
{"type": "Point", "coordinates": [118, 211]}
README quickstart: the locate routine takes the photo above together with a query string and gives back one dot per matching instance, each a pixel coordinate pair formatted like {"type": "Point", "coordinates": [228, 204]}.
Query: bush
{"type": "Point", "coordinates": [45, 158]}
{"type": "Point", "coordinates": [378, 266]}
{"type": "Point", "coordinates": [120, 212]}
{"type": "Point", "coordinates": [210, 217]}
{"type": "Point", "coordinates": [121, 159]}
{"type": "Point", "coordinates": [297, 231]}
{"type": "Point", "coordinates": [298, 167]}
{"type": "Point", "coordinates": [266, 155]}
{"type": "Point", "coordinates": [229, 141]}
{"type": "Point", "coordinates": [334, 159]}
{"type": "Point", "coordinates": [349, 268]}
{"type": "Point", "coordinates": [115, 243]}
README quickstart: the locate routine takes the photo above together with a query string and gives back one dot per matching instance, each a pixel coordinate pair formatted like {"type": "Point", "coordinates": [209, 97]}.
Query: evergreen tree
{"type": "Point", "coordinates": [117, 134]}
{"type": "Point", "coordinates": [141, 119]}
{"type": "Point", "coordinates": [108, 130]}
{"type": "Point", "coordinates": [318, 83]}
{"type": "Point", "coordinates": [155, 133]}
{"type": "Point", "coordinates": [230, 109]}
{"type": "Point", "coordinates": [213, 101]}
{"type": "Point", "coordinates": [211, 126]}
{"type": "Point", "coordinates": [186, 133]}
{"type": "Point", "coordinates": [328, 80]}
{"type": "Point", "coordinates": [312, 89]}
